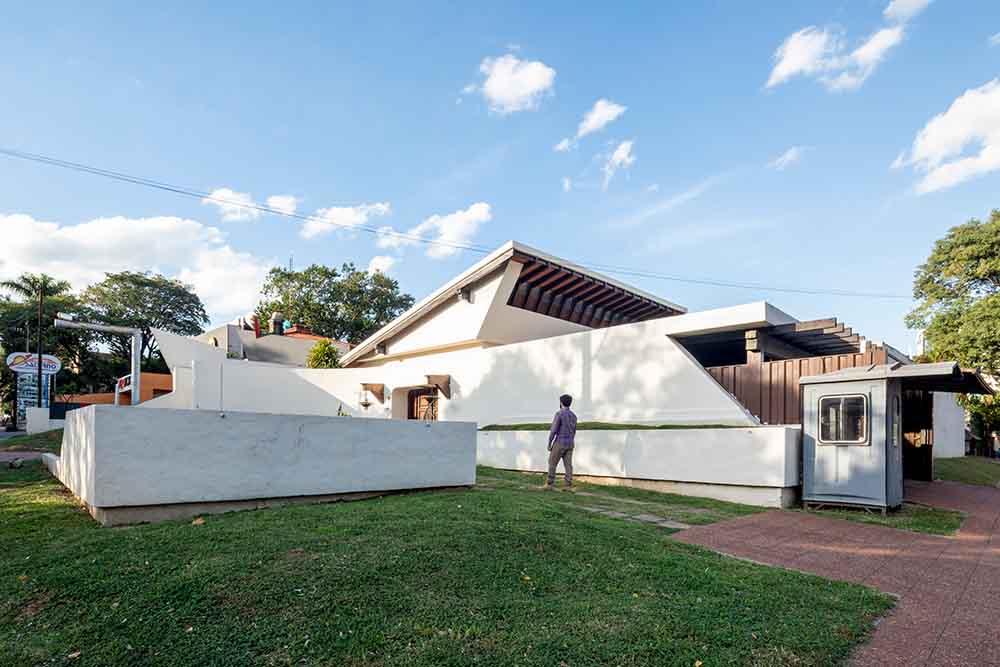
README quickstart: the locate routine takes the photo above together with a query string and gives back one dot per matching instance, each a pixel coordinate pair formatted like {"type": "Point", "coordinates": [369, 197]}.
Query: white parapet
{"type": "Point", "coordinates": [758, 465]}
{"type": "Point", "coordinates": [119, 458]}
{"type": "Point", "coordinates": [38, 421]}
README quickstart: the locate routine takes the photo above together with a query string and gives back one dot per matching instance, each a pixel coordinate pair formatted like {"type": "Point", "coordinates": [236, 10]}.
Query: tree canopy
{"type": "Point", "coordinates": [144, 301]}
{"type": "Point", "coordinates": [958, 294]}
{"type": "Point", "coordinates": [347, 304]}
{"type": "Point", "coordinates": [19, 331]}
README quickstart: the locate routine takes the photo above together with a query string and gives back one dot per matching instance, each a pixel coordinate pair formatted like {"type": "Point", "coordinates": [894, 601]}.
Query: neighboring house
{"type": "Point", "coordinates": [287, 347]}
{"type": "Point", "coordinates": [499, 343]}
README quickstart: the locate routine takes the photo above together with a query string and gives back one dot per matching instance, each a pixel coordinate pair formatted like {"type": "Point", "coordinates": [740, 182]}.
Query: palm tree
{"type": "Point", "coordinates": [35, 288]}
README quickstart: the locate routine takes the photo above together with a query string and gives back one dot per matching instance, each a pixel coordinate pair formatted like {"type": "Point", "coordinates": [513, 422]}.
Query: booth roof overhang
{"type": "Point", "coordinates": [941, 376]}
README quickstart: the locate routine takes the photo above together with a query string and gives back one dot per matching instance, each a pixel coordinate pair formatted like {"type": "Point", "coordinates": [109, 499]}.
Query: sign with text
{"type": "Point", "coordinates": [26, 362]}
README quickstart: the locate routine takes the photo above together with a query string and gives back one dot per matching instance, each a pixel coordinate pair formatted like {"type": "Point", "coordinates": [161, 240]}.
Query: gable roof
{"type": "Point", "coordinates": [546, 268]}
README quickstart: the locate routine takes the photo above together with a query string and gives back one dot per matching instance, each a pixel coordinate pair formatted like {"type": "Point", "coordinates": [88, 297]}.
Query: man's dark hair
{"type": "Point", "coordinates": [566, 400]}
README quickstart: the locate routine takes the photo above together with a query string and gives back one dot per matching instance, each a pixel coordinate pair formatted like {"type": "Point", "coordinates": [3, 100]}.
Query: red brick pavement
{"type": "Point", "coordinates": [949, 587]}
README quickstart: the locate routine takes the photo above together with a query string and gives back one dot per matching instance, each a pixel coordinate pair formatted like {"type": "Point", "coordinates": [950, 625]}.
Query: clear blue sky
{"type": "Point", "coordinates": [394, 114]}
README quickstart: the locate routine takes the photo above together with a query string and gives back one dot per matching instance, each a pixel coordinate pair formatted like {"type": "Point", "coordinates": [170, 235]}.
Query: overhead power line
{"type": "Point", "coordinates": [413, 238]}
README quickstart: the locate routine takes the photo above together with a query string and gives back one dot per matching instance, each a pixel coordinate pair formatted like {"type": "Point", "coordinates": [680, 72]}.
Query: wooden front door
{"type": "Point", "coordinates": [422, 404]}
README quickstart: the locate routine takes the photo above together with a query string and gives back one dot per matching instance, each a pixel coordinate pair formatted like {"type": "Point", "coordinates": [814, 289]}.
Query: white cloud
{"type": "Point", "coordinates": [668, 203]}
{"type": "Point", "coordinates": [621, 158]}
{"type": "Point", "coordinates": [787, 159]}
{"type": "Point", "coordinates": [960, 143]}
{"type": "Point", "coordinates": [904, 10]}
{"type": "Point", "coordinates": [805, 52]}
{"type": "Point", "coordinates": [653, 187]}
{"type": "Point", "coordinates": [515, 85]}
{"type": "Point", "coordinates": [600, 116]}
{"type": "Point", "coordinates": [234, 206]}
{"type": "Point", "coordinates": [327, 220]}
{"type": "Point", "coordinates": [567, 183]}
{"type": "Point", "coordinates": [381, 263]}
{"type": "Point", "coordinates": [454, 228]}
{"type": "Point", "coordinates": [228, 281]}
{"type": "Point", "coordinates": [860, 64]}
{"type": "Point", "coordinates": [995, 40]}
{"type": "Point", "coordinates": [822, 54]}
{"type": "Point", "coordinates": [283, 203]}
{"type": "Point", "coordinates": [604, 112]}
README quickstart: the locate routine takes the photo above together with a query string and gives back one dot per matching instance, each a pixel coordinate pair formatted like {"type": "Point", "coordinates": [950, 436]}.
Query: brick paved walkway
{"type": "Point", "coordinates": [949, 587]}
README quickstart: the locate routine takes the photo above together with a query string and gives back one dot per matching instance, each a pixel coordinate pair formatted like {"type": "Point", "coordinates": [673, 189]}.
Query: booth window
{"type": "Point", "coordinates": [843, 420]}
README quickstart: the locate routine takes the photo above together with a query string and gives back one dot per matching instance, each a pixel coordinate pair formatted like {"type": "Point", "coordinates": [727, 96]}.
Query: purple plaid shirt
{"type": "Point", "coordinates": [563, 430]}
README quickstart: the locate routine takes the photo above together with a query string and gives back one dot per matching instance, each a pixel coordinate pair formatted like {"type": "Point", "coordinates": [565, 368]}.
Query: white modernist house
{"type": "Point", "coordinates": [498, 344]}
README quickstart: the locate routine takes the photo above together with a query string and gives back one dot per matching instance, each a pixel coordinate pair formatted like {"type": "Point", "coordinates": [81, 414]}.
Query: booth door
{"type": "Point", "coordinates": [918, 435]}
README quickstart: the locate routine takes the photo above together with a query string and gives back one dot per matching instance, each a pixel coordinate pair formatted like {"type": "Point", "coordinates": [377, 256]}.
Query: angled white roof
{"type": "Point", "coordinates": [477, 271]}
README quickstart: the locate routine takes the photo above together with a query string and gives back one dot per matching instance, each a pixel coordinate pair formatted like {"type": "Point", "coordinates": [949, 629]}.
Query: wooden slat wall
{"type": "Point", "coordinates": [770, 390]}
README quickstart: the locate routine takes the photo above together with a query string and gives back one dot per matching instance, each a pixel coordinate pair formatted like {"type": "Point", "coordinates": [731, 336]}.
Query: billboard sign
{"type": "Point", "coordinates": [26, 362]}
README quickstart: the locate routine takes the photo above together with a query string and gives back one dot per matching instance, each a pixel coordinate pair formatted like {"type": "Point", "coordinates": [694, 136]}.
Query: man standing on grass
{"type": "Point", "coordinates": [562, 435]}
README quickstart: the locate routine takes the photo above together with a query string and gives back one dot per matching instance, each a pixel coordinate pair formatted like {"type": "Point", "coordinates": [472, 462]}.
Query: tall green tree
{"type": "Point", "coordinates": [144, 301]}
{"type": "Point", "coordinates": [26, 320]}
{"type": "Point", "coordinates": [349, 304]}
{"type": "Point", "coordinates": [958, 295]}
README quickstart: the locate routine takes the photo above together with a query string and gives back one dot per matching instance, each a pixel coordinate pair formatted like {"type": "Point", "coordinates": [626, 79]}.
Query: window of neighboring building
{"type": "Point", "coordinates": [843, 420]}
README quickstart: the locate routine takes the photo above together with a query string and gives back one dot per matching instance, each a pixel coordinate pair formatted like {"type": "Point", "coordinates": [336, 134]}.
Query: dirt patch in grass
{"type": "Point", "coordinates": [36, 605]}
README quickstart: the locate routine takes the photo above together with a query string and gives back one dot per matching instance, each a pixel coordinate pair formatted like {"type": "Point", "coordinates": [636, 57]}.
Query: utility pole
{"type": "Point", "coordinates": [41, 303]}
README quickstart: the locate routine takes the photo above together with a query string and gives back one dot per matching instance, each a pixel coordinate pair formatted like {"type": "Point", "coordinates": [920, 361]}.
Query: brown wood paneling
{"type": "Point", "coordinates": [770, 390]}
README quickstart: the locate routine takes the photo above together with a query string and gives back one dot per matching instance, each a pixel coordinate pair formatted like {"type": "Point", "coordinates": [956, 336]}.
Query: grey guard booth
{"type": "Point", "coordinates": [852, 441]}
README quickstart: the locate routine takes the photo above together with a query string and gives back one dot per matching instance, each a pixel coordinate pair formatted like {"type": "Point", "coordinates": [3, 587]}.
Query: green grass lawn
{"type": "Point", "coordinates": [968, 470]}
{"type": "Point", "coordinates": [601, 426]}
{"type": "Point", "coordinates": [498, 575]}
{"type": "Point", "coordinates": [49, 441]}
{"type": "Point", "coordinates": [917, 518]}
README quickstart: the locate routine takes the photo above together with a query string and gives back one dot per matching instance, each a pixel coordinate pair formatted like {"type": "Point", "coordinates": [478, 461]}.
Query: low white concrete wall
{"type": "Point", "coordinates": [949, 426]}
{"type": "Point", "coordinates": [120, 457]}
{"type": "Point", "coordinates": [39, 422]}
{"type": "Point", "coordinates": [719, 461]}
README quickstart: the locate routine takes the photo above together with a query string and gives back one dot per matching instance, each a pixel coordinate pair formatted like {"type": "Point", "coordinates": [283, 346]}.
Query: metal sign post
{"type": "Point", "coordinates": [136, 335]}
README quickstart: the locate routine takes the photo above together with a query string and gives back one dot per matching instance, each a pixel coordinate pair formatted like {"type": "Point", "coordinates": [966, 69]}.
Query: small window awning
{"type": "Point", "coordinates": [442, 382]}
{"type": "Point", "coordinates": [942, 376]}
{"type": "Point", "coordinates": [377, 390]}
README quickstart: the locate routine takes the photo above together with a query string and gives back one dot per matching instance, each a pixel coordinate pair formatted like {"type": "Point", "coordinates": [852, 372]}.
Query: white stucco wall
{"type": "Point", "coordinates": [949, 426]}
{"type": "Point", "coordinates": [120, 457]}
{"type": "Point", "coordinates": [629, 373]}
{"type": "Point", "coordinates": [38, 421]}
{"type": "Point", "coordinates": [765, 456]}
{"type": "Point", "coordinates": [455, 321]}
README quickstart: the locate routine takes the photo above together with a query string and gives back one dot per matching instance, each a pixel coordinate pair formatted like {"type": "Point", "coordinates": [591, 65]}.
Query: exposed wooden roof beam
{"type": "Point", "coordinates": [537, 278]}
{"type": "Point", "coordinates": [533, 295]}
{"type": "Point", "coordinates": [559, 278]}
{"type": "Point", "coordinates": [519, 296]}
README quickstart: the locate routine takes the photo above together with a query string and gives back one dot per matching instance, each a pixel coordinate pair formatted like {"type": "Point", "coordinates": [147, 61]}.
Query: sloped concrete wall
{"type": "Point", "coordinates": [751, 465]}
{"type": "Point", "coordinates": [121, 457]}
